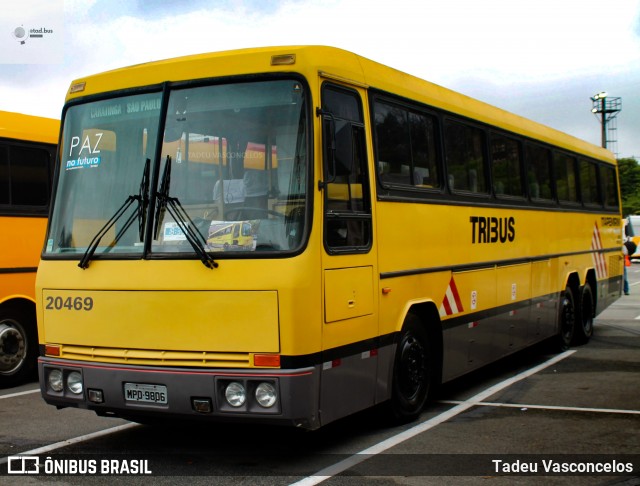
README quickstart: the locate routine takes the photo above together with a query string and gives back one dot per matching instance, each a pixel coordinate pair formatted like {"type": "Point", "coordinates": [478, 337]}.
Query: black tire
{"type": "Point", "coordinates": [584, 321]}
{"type": "Point", "coordinates": [412, 371]}
{"type": "Point", "coordinates": [18, 347]}
{"type": "Point", "coordinates": [566, 320]}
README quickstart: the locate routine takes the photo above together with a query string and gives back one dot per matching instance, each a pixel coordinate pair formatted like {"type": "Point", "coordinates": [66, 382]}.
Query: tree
{"type": "Point", "coordinates": [629, 172]}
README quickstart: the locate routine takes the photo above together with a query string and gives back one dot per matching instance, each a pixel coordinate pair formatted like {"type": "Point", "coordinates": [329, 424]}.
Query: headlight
{"type": "Point", "coordinates": [266, 394]}
{"type": "Point", "coordinates": [235, 394]}
{"type": "Point", "coordinates": [74, 382]}
{"type": "Point", "coordinates": [55, 380]}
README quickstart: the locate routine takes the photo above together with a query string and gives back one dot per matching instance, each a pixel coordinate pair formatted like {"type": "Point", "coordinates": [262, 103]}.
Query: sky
{"type": "Point", "coordinates": [542, 59]}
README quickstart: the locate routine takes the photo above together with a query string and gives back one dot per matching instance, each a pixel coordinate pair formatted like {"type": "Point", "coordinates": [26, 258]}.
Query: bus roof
{"type": "Point", "coordinates": [332, 63]}
{"type": "Point", "coordinates": [18, 126]}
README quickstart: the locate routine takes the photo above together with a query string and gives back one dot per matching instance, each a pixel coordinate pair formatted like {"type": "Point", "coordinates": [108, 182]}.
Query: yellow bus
{"type": "Point", "coordinates": [407, 235]}
{"type": "Point", "coordinates": [27, 155]}
{"type": "Point", "coordinates": [230, 235]}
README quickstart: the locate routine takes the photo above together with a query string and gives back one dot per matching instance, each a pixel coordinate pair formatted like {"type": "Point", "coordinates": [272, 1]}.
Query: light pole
{"type": "Point", "coordinates": [608, 108]}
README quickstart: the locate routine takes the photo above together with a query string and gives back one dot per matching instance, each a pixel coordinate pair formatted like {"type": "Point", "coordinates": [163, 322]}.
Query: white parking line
{"type": "Point", "coordinates": [17, 394]}
{"type": "Point", "coordinates": [548, 407]}
{"type": "Point", "coordinates": [379, 448]}
{"type": "Point", "coordinates": [75, 440]}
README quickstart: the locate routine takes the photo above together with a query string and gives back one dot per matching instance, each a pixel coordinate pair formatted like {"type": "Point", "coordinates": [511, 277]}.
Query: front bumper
{"type": "Point", "coordinates": [187, 392]}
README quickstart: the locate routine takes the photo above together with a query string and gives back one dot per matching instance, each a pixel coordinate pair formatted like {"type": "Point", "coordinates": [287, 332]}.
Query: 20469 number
{"type": "Point", "coordinates": [69, 303]}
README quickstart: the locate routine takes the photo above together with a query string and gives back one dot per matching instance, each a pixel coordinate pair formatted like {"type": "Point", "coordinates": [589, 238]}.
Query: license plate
{"type": "Point", "coordinates": [140, 392]}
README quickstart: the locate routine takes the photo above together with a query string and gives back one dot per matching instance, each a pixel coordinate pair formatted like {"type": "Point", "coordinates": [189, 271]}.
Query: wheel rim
{"type": "Point", "coordinates": [413, 368]}
{"type": "Point", "coordinates": [13, 347]}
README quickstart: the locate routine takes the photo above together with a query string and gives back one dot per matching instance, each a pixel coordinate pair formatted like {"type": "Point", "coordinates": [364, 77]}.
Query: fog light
{"type": "Point", "coordinates": [55, 380]}
{"type": "Point", "coordinates": [95, 396]}
{"type": "Point", "coordinates": [266, 395]}
{"type": "Point", "coordinates": [74, 382]}
{"type": "Point", "coordinates": [235, 394]}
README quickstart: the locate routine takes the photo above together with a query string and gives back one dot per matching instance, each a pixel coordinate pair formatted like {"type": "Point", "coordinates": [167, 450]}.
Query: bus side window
{"type": "Point", "coordinates": [610, 186]}
{"type": "Point", "coordinates": [505, 166]}
{"type": "Point", "coordinates": [465, 159]}
{"type": "Point", "coordinates": [538, 163]}
{"type": "Point", "coordinates": [589, 183]}
{"type": "Point", "coordinates": [405, 146]}
{"type": "Point", "coordinates": [24, 175]}
{"type": "Point", "coordinates": [565, 173]}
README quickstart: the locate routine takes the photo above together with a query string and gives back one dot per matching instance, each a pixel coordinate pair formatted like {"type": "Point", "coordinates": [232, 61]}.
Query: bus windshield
{"type": "Point", "coordinates": [227, 174]}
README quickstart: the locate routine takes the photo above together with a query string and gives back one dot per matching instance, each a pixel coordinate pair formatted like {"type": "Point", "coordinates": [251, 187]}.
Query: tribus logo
{"type": "Point", "coordinates": [492, 229]}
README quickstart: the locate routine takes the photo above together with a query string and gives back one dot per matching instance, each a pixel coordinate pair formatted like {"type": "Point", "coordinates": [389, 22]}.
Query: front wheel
{"type": "Point", "coordinates": [412, 371]}
{"type": "Point", "coordinates": [18, 347]}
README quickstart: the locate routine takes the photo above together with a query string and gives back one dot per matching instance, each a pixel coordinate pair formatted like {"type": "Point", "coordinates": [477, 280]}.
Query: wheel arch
{"type": "Point", "coordinates": [25, 304]}
{"type": "Point", "coordinates": [573, 282]}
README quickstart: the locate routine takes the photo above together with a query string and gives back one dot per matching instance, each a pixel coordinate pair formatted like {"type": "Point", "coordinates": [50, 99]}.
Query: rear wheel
{"type": "Point", "coordinates": [584, 321]}
{"type": "Point", "coordinates": [18, 347]}
{"type": "Point", "coordinates": [567, 320]}
{"type": "Point", "coordinates": [412, 371]}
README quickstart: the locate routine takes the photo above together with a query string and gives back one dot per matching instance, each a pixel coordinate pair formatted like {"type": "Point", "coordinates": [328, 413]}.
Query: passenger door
{"type": "Point", "coordinates": [349, 265]}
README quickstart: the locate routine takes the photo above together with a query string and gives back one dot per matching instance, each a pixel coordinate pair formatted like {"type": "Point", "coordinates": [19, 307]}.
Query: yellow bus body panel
{"type": "Point", "coordinates": [489, 287]}
{"type": "Point", "coordinates": [20, 249]}
{"type": "Point", "coordinates": [224, 321]}
{"type": "Point", "coordinates": [26, 127]}
{"type": "Point", "coordinates": [21, 242]}
{"type": "Point", "coordinates": [348, 293]}
{"type": "Point", "coordinates": [172, 306]}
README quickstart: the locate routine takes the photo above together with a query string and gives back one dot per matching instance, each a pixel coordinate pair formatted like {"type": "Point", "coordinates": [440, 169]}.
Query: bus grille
{"type": "Point", "coordinates": [157, 358]}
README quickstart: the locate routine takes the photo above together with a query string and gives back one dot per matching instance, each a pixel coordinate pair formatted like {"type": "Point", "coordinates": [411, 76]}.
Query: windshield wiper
{"type": "Point", "coordinates": [173, 206]}
{"type": "Point", "coordinates": [142, 198]}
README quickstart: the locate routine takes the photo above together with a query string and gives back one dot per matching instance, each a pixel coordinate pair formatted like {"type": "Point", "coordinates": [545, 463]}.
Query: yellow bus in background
{"type": "Point", "coordinates": [404, 235]}
{"type": "Point", "coordinates": [27, 155]}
